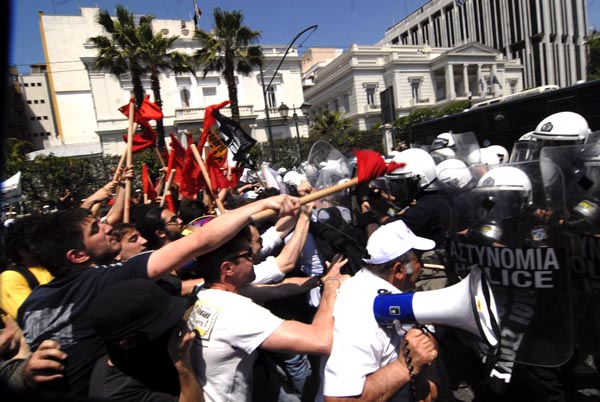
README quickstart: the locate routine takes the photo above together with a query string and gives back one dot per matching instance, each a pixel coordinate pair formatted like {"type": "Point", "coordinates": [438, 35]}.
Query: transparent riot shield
{"type": "Point", "coordinates": [466, 148]}
{"type": "Point", "coordinates": [507, 224]}
{"type": "Point", "coordinates": [580, 167]}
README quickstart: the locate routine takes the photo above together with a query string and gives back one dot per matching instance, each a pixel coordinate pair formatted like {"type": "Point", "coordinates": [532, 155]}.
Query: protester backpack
{"type": "Point", "coordinates": [335, 235]}
{"type": "Point", "coordinates": [29, 277]}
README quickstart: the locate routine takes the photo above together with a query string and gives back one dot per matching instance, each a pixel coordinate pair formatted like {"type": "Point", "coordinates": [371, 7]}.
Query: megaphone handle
{"type": "Point", "coordinates": [268, 213]}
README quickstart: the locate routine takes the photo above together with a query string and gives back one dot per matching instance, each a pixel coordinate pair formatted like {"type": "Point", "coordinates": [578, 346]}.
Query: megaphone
{"type": "Point", "coordinates": [468, 305]}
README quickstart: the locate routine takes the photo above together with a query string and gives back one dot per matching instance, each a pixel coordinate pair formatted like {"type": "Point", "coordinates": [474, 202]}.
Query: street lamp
{"type": "Point", "coordinates": [284, 110]}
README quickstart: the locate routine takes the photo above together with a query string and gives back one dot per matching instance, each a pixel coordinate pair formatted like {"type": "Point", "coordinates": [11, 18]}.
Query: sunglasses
{"type": "Point", "coordinates": [249, 255]}
{"type": "Point", "coordinates": [174, 219]}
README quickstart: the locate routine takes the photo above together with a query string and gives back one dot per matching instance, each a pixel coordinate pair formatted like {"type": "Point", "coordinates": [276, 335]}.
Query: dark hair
{"type": "Point", "coordinates": [17, 237]}
{"type": "Point", "coordinates": [56, 234]}
{"type": "Point", "coordinates": [211, 261]}
{"type": "Point", "coordinates": [191, 209]}
{"type": "Point", "coordinates": [120, 229]}
{"type": "Point", "coordinates": [148, 220]}
{"type": "Point", "coordinates": [383, 270]}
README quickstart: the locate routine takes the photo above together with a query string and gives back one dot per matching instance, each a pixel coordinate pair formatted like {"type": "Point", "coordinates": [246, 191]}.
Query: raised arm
{"type": "Point", "coordinates": [214, 233]}
{"type": "Point", "coordinates": [286, 260]}
{"type": "Point", "coordinates": [316, 338]}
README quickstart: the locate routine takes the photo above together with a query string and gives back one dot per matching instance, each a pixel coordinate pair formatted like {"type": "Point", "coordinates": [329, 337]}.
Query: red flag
{"type": "Point", "coordinates": [369, 165]}
{"type": "Point", "coordinates": [218, 179]}
{"type": "Point", "coordinates": [176, 158]}
{"type": "Point", "coordinates": [147, 183]}
{"type": "Point", "coordinates": [191, 178]}
{"type": "Point", "coordinates": [148, 110]}
{"type": "Point", "coordinates": [143, 140]}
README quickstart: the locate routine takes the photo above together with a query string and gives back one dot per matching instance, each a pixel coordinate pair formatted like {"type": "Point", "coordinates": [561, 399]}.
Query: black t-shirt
{"type": "Point", "coordinates": [429, 217]}
{"type": "Point", "coordinates": [59, 310]}
{"type": "Point", "coordinates": [110, 383]}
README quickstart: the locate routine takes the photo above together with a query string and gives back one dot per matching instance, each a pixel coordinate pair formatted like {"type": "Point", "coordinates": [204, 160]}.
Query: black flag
{"type": "Point", "coordinates": [236, 139]}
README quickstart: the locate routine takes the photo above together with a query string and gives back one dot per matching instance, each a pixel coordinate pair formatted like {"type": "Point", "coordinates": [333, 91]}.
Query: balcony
{"type": "Point", "coordinates": [196, 114]}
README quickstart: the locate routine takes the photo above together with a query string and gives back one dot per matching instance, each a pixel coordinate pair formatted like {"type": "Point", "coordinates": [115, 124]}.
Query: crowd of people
{"type": "Point", "coordinates": [199, 300]}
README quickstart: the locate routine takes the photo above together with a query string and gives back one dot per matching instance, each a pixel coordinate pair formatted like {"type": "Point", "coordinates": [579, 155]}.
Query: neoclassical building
{"type": "Point", "coordinates": [365, 81]}
{"type": "Point", "coordinates": [547, 36]}
{"type": "Point", "coordinates": [86, 101]}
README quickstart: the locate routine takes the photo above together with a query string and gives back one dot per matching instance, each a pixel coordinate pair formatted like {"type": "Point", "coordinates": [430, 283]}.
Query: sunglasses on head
{"type": "Point", "coordinates": [248, 254]}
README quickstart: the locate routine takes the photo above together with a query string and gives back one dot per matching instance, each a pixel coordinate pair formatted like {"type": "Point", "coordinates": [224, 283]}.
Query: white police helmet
{"type": "Point", "coordinates": [443, 140]}
{"type": "Point", "coordinates": [507, 178]}
{"type": "Point", "coordinates": [441, 154]}
{"type": "Point", "coordinates": [562, 126]}
{"type": "Point", "coordinates": [453, 173]}
{"type": "Point", "coordinates": [500, 152]}
{"type": "Point", "coordinates": [417, 164]}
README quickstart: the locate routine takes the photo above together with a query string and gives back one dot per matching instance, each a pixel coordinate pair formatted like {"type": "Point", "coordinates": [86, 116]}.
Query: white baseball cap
{"type": "Point", "coordinates": [391, 241]}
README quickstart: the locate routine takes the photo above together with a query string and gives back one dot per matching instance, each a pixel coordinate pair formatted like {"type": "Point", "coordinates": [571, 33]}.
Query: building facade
{"type": "Point", "coordinates": [87, 100]}
{"type": "Point", "coordinates": [547, 36]}
{"type": "Point", "coordinates": [408, 77]}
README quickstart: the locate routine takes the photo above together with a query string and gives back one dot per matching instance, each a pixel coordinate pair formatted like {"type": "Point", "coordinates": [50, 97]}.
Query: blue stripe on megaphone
{"type": "Point", "coordinates": [392, 309]}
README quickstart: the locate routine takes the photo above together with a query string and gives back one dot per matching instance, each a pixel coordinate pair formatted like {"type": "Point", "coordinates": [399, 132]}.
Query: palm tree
{"type": "Point", "coordinates": [227, 49]}
{"type": "Point", "coordinates": [118, 53]}
{"type": "Point", "coordinates": [136, 49]}
{"type": "Point", "coordinates": [154, 55]}
{"type": "Point", "coordinates": [330, 124]}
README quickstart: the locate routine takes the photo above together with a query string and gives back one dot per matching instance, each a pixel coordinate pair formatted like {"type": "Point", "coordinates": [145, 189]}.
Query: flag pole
{"type": "Point", "coordinates": [206, 176]}
{"type": "Point", "coordinates": [129, 153]}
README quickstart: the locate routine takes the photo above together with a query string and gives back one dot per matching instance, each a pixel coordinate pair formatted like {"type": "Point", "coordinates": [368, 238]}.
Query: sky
{"type": "Point", "coordinates": [340, 22]}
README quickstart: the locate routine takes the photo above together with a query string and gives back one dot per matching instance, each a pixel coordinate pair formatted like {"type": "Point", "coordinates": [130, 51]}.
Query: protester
{"type": "Point", "coordinates": [232, 327]}
{"type": "Point", "coordinates": [148, 345]}
{"type": "Point", "coordinates": [132, 242]}
{"type": "Point", "coordinates": [367, 360]}
{"type": "Point", "coordinates": [23, 272]}
{"type": "Point", "coordinates": [21, 370]}
{"type": "Point", "coordinates": [70, 243]}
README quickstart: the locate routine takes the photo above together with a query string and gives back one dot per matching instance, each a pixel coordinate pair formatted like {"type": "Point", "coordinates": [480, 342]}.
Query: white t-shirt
{"type": "Point", "coordinates": [360, 345]}
{"type": "Point", "coordinates": [231, 328]}
{"type": "Point", "coordinates": [268, 272]}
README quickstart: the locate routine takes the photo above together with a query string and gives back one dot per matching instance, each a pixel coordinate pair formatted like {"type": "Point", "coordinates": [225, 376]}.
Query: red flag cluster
{"type": "Point", "coordinates": [188, 175]}
{"type": "Point", "coordinates": [148, 111]}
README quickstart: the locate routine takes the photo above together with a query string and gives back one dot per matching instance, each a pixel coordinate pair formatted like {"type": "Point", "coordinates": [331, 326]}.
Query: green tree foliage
{"type": "Point", "coordinates": [594, 56]}
{"type": "Point", "coordinates": [329, 124]}
{"type": "Point", "coordinates": [44, 179]}
{"type": "Point", "coordinates": [228, 49]}
{"type": "Point", "coordinates": [136, 50]}
{"type": "Point", "coordinates": [118, 53]}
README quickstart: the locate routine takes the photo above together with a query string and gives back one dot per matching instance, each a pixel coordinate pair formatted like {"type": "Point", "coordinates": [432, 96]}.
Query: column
{"type": "Point", "coordinates": [466, 80]}
{"type": "Point", "coordinates": [450, 94]}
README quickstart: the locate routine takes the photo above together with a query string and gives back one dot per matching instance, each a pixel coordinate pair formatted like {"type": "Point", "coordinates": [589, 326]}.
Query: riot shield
{"type": "Point", "coordinates": [580, 167]}
{"type": "Point", "coordinates": [506, 223]}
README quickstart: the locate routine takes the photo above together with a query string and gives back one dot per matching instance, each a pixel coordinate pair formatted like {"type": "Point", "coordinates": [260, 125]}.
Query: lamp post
{"type": "Point", "coordinates": [284, 111]}
{"type": "Point", "coordinates": [266, 88]}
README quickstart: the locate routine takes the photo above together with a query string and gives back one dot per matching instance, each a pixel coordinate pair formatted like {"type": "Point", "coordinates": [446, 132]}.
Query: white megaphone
{"type": "Point", "coordinates": [468, 305]}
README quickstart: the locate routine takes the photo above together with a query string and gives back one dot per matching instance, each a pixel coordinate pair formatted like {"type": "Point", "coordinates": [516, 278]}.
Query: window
{"type": "Point", "coordinates": [39, 117]}
{"type": "Point", "coordinates": [336, 105]}
{"type": "Point", "coordinates": [36, 101]}
{"type": "Point", "coordinates": [29, 102]}
{"type": "Point", "coordinates": [45, 117]}
{"type": "Point", "coordinates": [371, 96]}
{"type": "Point", "coordinates": [42, 101]}
{"type": "Point", "coordinates": [184, 94]}
{"type": "Point", "coordinates": [346, 103]}
{"type": "Point", "coordinates": [271, 98]}
{"type": "Point", "coordinates": [208, 95]}
{"type": "Point", "coordinates": [48, 133]}
{"type": "Point", "coordinates": [25, 84]}
{"type": "Point", "coordinates": [39, 84]}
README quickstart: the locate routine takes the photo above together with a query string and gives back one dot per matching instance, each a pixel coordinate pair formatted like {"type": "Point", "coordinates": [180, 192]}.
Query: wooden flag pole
{"type": "Point", "coordinates": [206, 176]}
{"type": "Point", "coordinates": [167, 187]}
{"type": "Point", "coordinates": [129, 153]}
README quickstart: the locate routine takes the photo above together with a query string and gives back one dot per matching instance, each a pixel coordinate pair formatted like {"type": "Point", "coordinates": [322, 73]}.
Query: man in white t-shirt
{"type": "Point", "coordinates": [231, 327]}
{"type": "Point", "coordinates": [367, 360]}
